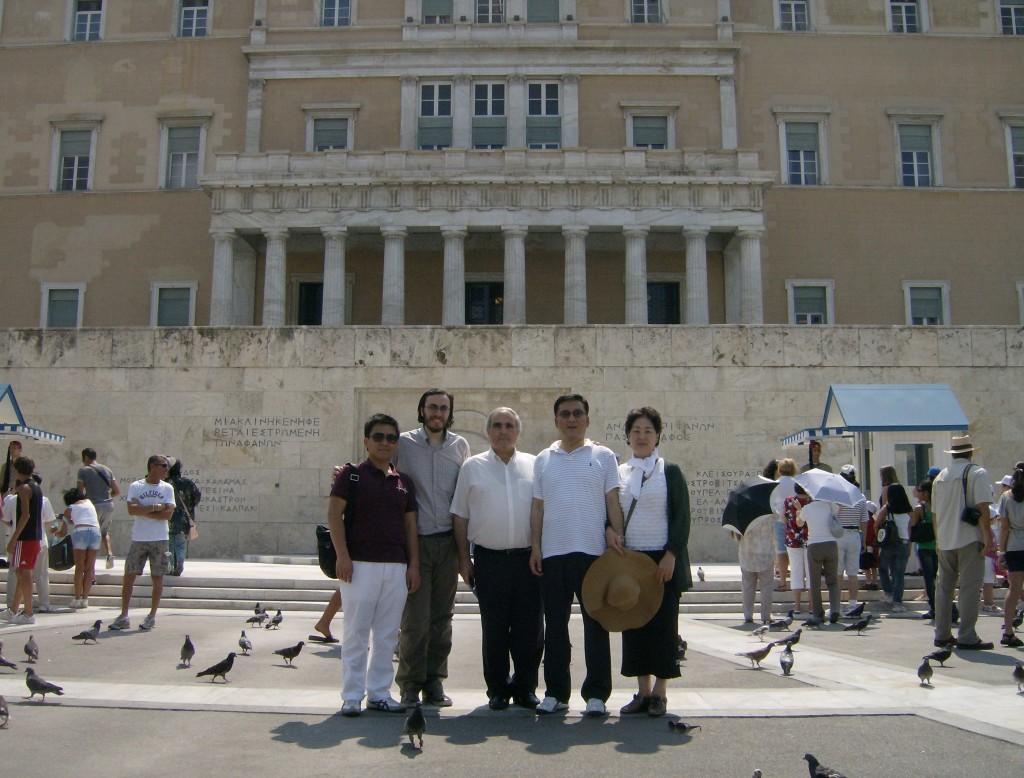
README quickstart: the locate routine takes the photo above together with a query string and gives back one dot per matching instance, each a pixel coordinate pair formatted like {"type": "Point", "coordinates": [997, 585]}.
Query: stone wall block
{"type": "Point", "coordinates": [988, 346]}
{"type": "Point", "coordinates": [503, 378]}
{"type": "Point", "coordinates": [132, 348]}
{"type": "Point", "coordinates": [840, 346]}
{"type": "Point", "coordinates": [173, 347]}
{"type": "Point", "coordinates": [479, 346]}
{"type": "Point", "coordinates": [285, 346]}
{"type": "Point", "coordinates": [652, 346]}
{"type": "Point", "coordinates": [373, 347]}
{"type": "Point", "coordinates": [242, 346]}
{"type": "Point", "coordinates": [802, 346]}
{"type": "Point", "coordinates": [413, 347]}
{"type": "Point", "coordinates": [263, 379]}
{"type": "Point", "coordinates": [25, 347]}
{"type": "Point", "coordinates": [298, 538]}
{"type": "Point", "coordinates": [730, 346]}
{"type": "Point", "coordinates": [954, 346]}
{"type": "Point", "coordinates": [328, 347]}
{"type": "Point", "coordinates": [303, 379]}
{"type": "Point", "coordinates": [615, 346]}
{"type": "Point", "coordinates": [692, 346]}
{"type": "Point", "coordinates": [210, 349]}
{"type": "Point", "coordinates": [879, 346]}
{"type": "Point", "coordinates": [533, 346]}
{"type": "Point", "coordinates": [1015, 347]}
{"type": "Point", "coordinates": [216, 539]}
{"type": "Point", "coordinates": [256, 538]}
{"type": "Point", "coordinates": [576, 346]}
{"type": "Point", "coordinates": [919, 347]}
{"type": "Point", "coordinates": [765, 346]}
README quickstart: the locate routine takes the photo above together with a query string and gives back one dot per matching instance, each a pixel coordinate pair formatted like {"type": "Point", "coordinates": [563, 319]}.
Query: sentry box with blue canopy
{"type": "Point", "coordinates": [905, 425]}
{"type": "Point", "coordinates": [12, 423]}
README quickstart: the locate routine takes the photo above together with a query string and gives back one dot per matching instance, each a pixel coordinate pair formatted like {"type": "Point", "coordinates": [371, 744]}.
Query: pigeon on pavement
{"type": "Point", "coordinates": [700, 573]}
{"type": "Point", "coordinates": [1018, 619]}
{"type": "Point", "coordinates": [817, 770]}
{"type": "Point", "coordinates": [682, 726]}
{"type": "Point", "coordinates": [681, 646]}
{"type": "Point", "coordinates": [258, 619]}
{"type": "Point", "coordinates": [32, 649]}
{"type": "Point", "coordinates": [222, 668]}
{"type": "Point", "coordinates": [7, 663]}
{"type": "Point", "coordinates": [814, 622]}
{"type": "Point", "coordinates": [793, 639]}
{"type": "Point", "coordinates": [759, 633]}
{"type": "Point", "coordinates": [259, 609]}
{"type": "Point", "coordinates": [245, 644]}
{"type": "Point", "coordinates": [276, 621]}
{"type": "Point", "coordinates": [1018, 675]}
{"type": "Point", "coordinates": [786, 660]}
{"type": "Point", "coordinates": [93, 633]}
{"type": "Point", "coordinates": [415, 725]}
{"type": "Point", "coordinates": [940, 656]}
{"type": "Point", "coordinates": [5, 714]}
{"type": "Point", "coordinates": [781, 624]}
{"type": "Point", "coordinates": [38, 685]}
{"type": "Point", "coordinates": [924, 672]}
{"type": "Point", "coordinates": [856, 611]}
{"type": "Point", "coordinates": [187, 652]}
{"type": "Point", "coordinates": [291, 652]}
{"type": "Point", "coordinates": [757, 655]}
{"type": "Point", "coordinates": [858, 626]}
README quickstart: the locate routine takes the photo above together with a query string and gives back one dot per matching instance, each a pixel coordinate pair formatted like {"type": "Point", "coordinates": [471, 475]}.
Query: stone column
{"type": "Point", "coordinates": [223, 277]}
{"type": "Point", "coordinates": [727, 101]}
{"type": "Point", "coordinates": [274, 276]}
{"type": "Point", "coordinates": [453, 313]}
{"type": "Point", "coordinates": [462, 112]}
{"type": "Point", "coordinates": [570, 111]}
{"type": "Point", "coordinates": [410, 113]}
{"type": "Point", "coordinates": [393, 298]}
{"type": "Point", "coordinates": [515, 112]}
{"type": "Point", "coordinates": [575, 275]}
{"type": "Point", "coordinates": [333, 311]}
{"type": "Point", "coordinates": [696, 275]}
{"type": "Point", "coordinates": [515, 275]}
{"type": "Point", "coordinates": [254, 116]}
{"type": "Point", "coordinates": [636, 274]}
{"type": "Point", "coordinates": [751, 296]}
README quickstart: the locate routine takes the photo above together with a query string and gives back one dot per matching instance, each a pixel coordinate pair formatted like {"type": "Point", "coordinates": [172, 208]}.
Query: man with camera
{"type": "Point", "coordinates": [961, 495]}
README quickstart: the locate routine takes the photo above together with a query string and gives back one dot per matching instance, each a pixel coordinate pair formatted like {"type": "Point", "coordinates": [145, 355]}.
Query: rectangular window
{"type": "Point", "coordinates": [195, 16]}
{"type": "Point", "coordinates": [645, 11]}
{"type": "Point", "coordinates": [62, 305]}
{"type": "Point", "coordinates": [904, 16]}
{"type": "Point", "coordinates": [88, 20]}
{"type": "Point", "coordinates": [489, 123]}
{"type": "Point", "coordinates": [75, 147]}
{"type": "Point", "coordinates": [916, 154]}
{"type": "Point", "coordinates": [810, 305]}
{"type": "Point", "coordinates": [543, 116]}
{"type": "Point", "coordinates": [912, 461]}
{"type": "Point", "coordinates": [1017, 155]}
{"type": "Point", "coordinates": [435, 120]}
{"type": "Point", "coordinates": [490, 11]}
{"type": "Point", "coordinates": [802, 153]}
{"type": "Point", "coordinates": [793, 15]}
{"type": "Point", "coordinates": [926, 305]}
{"type": "Point", "coordinates": [485, 302]}
{"type": "Point", "coordinates": [173, 306]}
{"type": "Point", "coordinates": [650, 132]}
{"type": "Point", "coordinates": [336, 13]}
{"type": "Point", "coordinates": [183, 157]}
{"type": "Point", "coordinates": [663, 302]}
{"type": "Point", "coordinates": [542, 11]}
{"type": "Point", "coordinates": [437, 11]}
{"type": "Point", "coordinates": [330, 134]}
{"type": "Point", "coordinates": [1011, 17]}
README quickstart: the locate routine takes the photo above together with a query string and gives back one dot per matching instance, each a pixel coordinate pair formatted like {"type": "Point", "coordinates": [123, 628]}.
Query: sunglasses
{"type": "Point", "coordinates": [578, 413]}
{"type": "Point", "coordinates": [380, 437]}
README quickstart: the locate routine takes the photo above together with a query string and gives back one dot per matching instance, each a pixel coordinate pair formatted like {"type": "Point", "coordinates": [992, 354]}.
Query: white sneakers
{"type": "Point", "coordinates": [595, 707]}
{"type": "Point", "coordinates": [350, 708]}
{"type": "Point", "coordinates": [551, 705]}
{"type": "Point", "coordinates": [7, 615]}
{"type": "Point", "coordinates": [898, 608]}
{"type": "Point", "coordinates": [23, 618]}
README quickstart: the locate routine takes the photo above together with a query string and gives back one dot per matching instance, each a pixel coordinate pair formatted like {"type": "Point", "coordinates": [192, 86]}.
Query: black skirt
{"type": "Point", "coordinates": [651, 649]}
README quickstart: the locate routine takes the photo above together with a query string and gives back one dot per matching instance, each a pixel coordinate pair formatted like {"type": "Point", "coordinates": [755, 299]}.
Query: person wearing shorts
{"type": "Point", "coordinates": [151, 502]}
{"type": "Point", "coordinates": [85, 543]}
{"type": "Point", "coordinates": [26, 540]}
{"type": "Point", "coordinates": [98, 483]}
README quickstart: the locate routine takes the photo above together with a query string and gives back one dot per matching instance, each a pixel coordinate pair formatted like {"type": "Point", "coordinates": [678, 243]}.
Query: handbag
{"type": "Point", "coordinates": [867, 559]}
{"type": "Point", "coordinates": [971, 514]}
{"type": "Point", "coordinates": [838, 530]}
{"type": "Point", "coordinates": [62, 555]}
{"type": "Point", "coordinates": [327, 555]}
{"type": "Point", "coordinates": [922, 532]}
{"type": "Point", "coordinates": [888, 534]}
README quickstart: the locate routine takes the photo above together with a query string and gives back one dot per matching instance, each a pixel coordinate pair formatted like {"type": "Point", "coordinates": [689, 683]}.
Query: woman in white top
{"type": "Point", "coordinates": [822, 556]}
{"type": "Point", "coordinates": [85, 542]}
{"type": "Point", "coordinates": [786, 470]}
{"type": "Point", "coordinates": [892, 564]}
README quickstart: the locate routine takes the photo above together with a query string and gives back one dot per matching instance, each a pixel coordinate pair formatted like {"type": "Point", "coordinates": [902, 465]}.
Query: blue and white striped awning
{"type": "Point", "coordinates": [12, 423]}
{"type": "Point", "coordinates": [815, 433]}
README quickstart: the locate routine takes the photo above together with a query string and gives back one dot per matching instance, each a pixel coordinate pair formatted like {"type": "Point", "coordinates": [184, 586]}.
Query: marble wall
{"type": "Point", "coordinates": [259, 415]}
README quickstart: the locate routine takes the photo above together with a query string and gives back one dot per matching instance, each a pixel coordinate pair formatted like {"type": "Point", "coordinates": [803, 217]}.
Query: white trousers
{"type": "Point", "coordinates": [374, 602]}
{"type": "Point", "coordinates": [751, 580]}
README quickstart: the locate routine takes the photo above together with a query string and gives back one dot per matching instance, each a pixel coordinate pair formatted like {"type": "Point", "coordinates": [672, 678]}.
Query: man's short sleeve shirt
{"type": "Point", "coordinates": [162, 493]}
{"type": "Point", "coordinates": [948, 503]}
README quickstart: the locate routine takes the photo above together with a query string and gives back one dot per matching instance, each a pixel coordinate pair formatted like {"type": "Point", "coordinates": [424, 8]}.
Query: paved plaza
{"type": "Point", "coordinates": [130, 707]}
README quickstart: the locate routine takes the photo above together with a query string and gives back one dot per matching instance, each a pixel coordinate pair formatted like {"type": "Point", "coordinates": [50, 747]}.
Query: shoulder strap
{"type": "Point", "coordinates": [353, 483]}
{"type": "Point", "coordinates": [964, 481]}
{"type": "Point", "coordinates": [101, 474]}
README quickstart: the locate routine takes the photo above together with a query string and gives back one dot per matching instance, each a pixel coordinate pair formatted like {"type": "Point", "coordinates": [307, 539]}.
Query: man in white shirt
{"type": "Point", "coordinates": [491, 510]}
{"type": "Point", "coordinates": [151, 502]}
{"type": "Point", "coordinates": [575, 516]}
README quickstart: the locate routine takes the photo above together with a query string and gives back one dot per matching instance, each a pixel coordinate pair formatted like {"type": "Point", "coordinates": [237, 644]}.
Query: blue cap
{"type": "Point", "coordinates": [934, 471]}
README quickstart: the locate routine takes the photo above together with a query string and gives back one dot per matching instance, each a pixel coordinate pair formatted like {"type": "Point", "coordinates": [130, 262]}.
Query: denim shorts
{"type": "Point", "coordinates": [780, 537]}
{"type": "Point", "coordinates": [86, 539]}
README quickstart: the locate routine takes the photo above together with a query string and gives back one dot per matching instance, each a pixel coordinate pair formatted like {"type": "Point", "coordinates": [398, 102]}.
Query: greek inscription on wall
{"type": "Point", "coordinates": [709, 490]}
{"type": "Point", "coordinates": [262, 431]}
{"type": "Point", "coordinates": [671, 430]}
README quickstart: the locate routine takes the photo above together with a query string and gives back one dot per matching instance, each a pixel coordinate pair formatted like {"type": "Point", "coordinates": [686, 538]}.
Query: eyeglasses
{"type": "Point", "coordinates": [579, 413]}
{"type": "Point", "coordinates": [380, 437]}
{"type": "Point", "coordinates": [437, 408]}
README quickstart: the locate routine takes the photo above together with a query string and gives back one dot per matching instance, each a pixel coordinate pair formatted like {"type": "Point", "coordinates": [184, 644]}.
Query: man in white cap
{"type": "Point", "coordinates": [961, 544]}
{"type": "Point", "coordinates": [851, 544]}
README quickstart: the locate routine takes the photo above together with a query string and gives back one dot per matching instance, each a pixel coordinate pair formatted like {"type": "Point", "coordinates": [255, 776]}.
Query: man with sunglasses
{"type": "Point", "coordinates": [151, 502]}
{"type": "Point", "coordinates": [432, 456]}
{"type": "Point", "coordinates": [574, 517]}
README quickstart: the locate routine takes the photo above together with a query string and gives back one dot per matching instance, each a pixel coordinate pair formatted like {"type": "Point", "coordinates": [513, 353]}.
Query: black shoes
{"type": "Point", "coordinates": [528, 700]}
{"type": "Point", "coordinates": [497, 702]}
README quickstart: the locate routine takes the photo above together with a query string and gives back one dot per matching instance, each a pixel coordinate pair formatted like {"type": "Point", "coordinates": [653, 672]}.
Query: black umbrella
{"type": "Point", "coordinates": [747, 502]}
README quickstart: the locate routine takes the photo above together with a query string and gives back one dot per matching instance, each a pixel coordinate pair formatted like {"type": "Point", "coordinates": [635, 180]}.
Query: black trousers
{"type": "Point", "coordinates": [511, 620]}
{"type": "Point", "coordinates": [562, 579]}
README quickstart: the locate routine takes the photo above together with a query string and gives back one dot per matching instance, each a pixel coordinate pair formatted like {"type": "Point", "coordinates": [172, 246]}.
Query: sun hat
{"type": "Point", "coordinates": [621, 591]}
{"type": "Point", "coordinates": [848, 470]}
{"type": "Point", "coordinates": [961, 445]}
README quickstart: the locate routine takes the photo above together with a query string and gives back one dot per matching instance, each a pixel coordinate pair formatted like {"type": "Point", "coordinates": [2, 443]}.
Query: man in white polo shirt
{"type": "Point", "coordinates": [575, 516]}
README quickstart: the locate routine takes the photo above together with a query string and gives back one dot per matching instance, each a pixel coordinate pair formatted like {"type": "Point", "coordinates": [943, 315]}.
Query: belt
{"type": "Point", "coordinates": [852, 529]}
{"type": "Point", "coordinates": [503, 551]}
{"type": "Point", "coordinates": [446, 534]}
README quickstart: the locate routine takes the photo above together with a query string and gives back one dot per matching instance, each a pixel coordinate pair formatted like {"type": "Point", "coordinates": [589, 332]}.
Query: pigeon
{"type": "Point", "coordinates": [856, 611]}
{"type": "Point", "coordinates": [5, 714]}
{"type": "Point", "coordinates": [92, 633]}
{"type": "Point", "coordinates": [780, 624]}
{"type": "Point", "coordinates": [814, 622]}
{"type": "Point", "coordinates": [757, 654]}
{"type": "Point", "coordinates": [682, 726]}
{"type": "Point", "coordinates": [786, 660]}
{"type": "Point", "coordinates": [222, 668]}
{"type": "Point", "coordinates": [756, 773]}
{"type": "Point", "coordinates": [858, 626]}
{"type": "Point", "coordinates": [760, 632]}
{"type": "Point", "coordinates": [291, 652]}
{"type": "Point", "coordinates": [940, 656]}
{"type": "Point", "coordinates": [793, 639]}
{"type": "Point", "coordinates": [681, 646]}
{"type": "Point", "coordinates": [817, 770]}
{"type": "Point", "coordinates": [257, 620]}
{"type": "Point", "coordinates": [32, 649]}
{"type": "Point", "coordinates": [700, 573]}
{"type": "Point", "coordinates": [187, 652]}
{"type": "Point", "coordinates": [37, 685]}
{"type": "Point", "coordinates": [245, 644]}
{"type": "Point", "coordinates": [1018, 675]}
{"type": "Point", "coordinates": [7, 663]}
{"type": "Point", "coordinates": [924, 672]}
{"type": "Point", "coordinates": [415, 725]}
{"type": "Point", "coordinates": [259, 609]}
{"type": "Point", "coordinates": [1018, 619]}
{"type": "Point", "coordinates": [276, 621]}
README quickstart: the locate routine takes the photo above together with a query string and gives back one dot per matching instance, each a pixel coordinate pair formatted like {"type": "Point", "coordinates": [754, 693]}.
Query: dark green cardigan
{"type": "Point", "coordinates": [678, 524]}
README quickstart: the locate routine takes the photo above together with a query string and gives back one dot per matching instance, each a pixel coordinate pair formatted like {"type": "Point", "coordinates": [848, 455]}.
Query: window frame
{"type": "Point", "coordinates": [679, 279]}
{"type": "Point", "coordinates": [73, 124]}
{"type": "Point", "coordinates": [1013, 120]}
{"type": "Point", "coordinates": [321, 6]}
{"type": "Point", "coordinates": [900, 117]}
{"type": "Point", "coordinates": [180, 25]}
{"type": "Point", "coordinates": [909, 286]}
{"type": "Point", "coordinates": [295, 282]}
{"type": "Point", "coordinates": [1017, 17]}
{"type": "Point", "coordinates": [432, 20]}
{"type": "Point", "coordinates": [314, 111]}
{"type": "Point", "coordinates": [154, 301]}
{"type": "Point", "coordinates": [777, 8]}
{"type": "Point", "coordinates": [168, 122]}
{"type": "Point", "coordinates": [1020, 300]}
{"type": "Point", "coordinates": [540, 118]}
{"type": "Point", "coordinates": [633, 18]}
{"type": "Point", "coordinates": [72, 22]}
{"type": "Point", "coordinates": [483, 278]}
{"type": "Point", "coordinates": [922, 16]}
{"type": "Point", "coordinates": [44, 303]}
{"type": "Point", "coordinates": [668, 109]}
{"type": "Point", "coordinates": [436, 101]}
{"type": "Point", "coordinates": [493, 17]}
{"type": "Point", "coordinates": [794, 115]}
{"type": "Point", "coordinates": [828, 284]}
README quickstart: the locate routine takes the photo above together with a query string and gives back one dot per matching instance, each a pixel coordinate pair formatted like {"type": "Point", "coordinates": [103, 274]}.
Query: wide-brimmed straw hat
{"type": "Point", "coordinates": [621, 591]}
{"type": "Point", "coordinates": [962, 444]}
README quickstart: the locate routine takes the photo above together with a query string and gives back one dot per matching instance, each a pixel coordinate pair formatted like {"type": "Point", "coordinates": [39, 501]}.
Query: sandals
{"type": "Point", "coordinates": [322, 639]}
{"type": "Point", "coordinates": [1011, 641]}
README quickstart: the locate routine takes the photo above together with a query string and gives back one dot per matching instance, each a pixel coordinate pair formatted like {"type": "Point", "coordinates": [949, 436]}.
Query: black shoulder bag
{"type": "Point", "coordinates": [327, 555]}
{"type": "Point", "coordinates": [971, 514]}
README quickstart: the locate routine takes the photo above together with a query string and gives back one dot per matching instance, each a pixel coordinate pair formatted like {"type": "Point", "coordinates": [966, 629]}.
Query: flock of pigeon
{"type": "Point", "coordinates": [223, 667]}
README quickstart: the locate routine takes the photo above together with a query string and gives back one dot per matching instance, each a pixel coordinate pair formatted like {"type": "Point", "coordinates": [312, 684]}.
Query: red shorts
{"type": "Point", "coordinates": [26, 552]}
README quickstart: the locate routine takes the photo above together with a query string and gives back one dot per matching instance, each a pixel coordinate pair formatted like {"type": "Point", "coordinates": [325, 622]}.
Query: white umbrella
{"type": "Point", "coordinates": [823, 485]}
